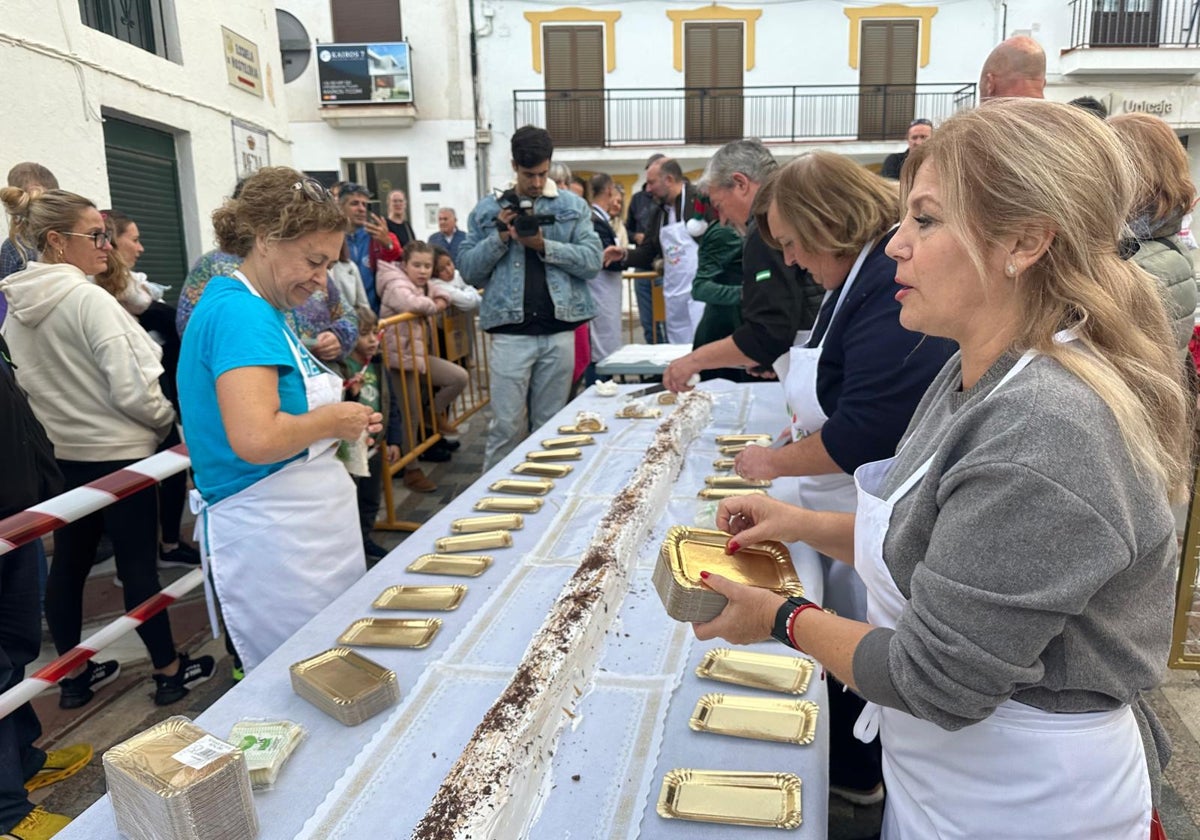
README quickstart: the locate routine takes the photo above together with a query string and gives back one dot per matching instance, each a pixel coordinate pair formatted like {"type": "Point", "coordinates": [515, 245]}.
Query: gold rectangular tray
{"type": "Point", "coordinates": [509, 504]}
{"type": "Point", "coordinates": [723, 440]}
{"type": "Point", "coordinates": [524, 486]}
{"type": "Point", "coordinates": [770, 671]}
{"type": "Point", "coordinates": [767, 800]}
{"type": "Point", "coordinates": [461, 565]}
{"type": "Point", "coordinates": [767, 565]}
{"type": "Point", "coordinates": [342, 677]}
{"type": "Point", "coordinates": [723, 464]}
{"type": "Point", "coordinates": [573, 453]}
{"type": "Point", "coordinates": [733, 448]}
{"type": "Point", "coordinates": [545, 470]}
{"type": "Point", "coordinates": [475, 524]}
{"type": "Point", "coordinates": [568, 441]}
{"type": "Point", "coordinates": [733, 481]}
{"type": "Point", "coordinates": [473, 542]}
{"type": "Point", "coordinates": [391, 632]}
{"type": "Point", "coordinates": [421, 597]}
{"type": "Point", "coordinates": [761, 718]}
{"type": "Point", "coordinates": [718, 493]}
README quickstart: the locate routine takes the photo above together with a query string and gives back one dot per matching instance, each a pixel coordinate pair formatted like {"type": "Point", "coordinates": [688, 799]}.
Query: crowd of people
{"type": "Point", "coordinates": [983, 353]}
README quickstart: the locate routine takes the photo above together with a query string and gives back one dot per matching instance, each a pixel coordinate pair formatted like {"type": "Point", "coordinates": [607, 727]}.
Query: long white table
{"type": "Point", "coordinates": [376, 779]}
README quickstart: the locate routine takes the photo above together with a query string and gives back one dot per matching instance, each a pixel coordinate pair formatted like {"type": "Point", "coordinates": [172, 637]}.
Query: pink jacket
{"type": "Point", "coordinates": [399, 294]}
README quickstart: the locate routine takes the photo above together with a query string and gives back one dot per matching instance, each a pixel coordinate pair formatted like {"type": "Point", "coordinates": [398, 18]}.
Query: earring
{"type": "Point", "coordinates": [1011, 270]}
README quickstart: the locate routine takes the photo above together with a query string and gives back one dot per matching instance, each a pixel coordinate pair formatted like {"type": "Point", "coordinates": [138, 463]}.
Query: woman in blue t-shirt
{"type": "Point", "coordinates": [279, 523]}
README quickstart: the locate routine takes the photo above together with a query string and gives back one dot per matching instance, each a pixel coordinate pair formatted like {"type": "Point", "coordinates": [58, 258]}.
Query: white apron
{"type": "Point", "coordinates": [844, 590]}
{"type": "Point", "coordinates": [1022, 773]}
{"type": "Point", "coordinates": [605, 328]}
{"type": "Point", "coordinates": [680, 261]}
{"type": "Point", "coordinates": [282, 549]}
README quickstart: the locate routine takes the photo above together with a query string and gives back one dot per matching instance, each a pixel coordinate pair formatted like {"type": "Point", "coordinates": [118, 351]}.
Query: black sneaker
{"type": "Point", "coordinates": [374, 549]}
{"type": "Point", "coordinates": [434, 455]}
{"type": "Point", "coordinates": [77, 691]}
{"type": "Point", "coordinates": [447, 444]}
{"type": "Point", "coordinates": [182, 556]}
{"type": "Point", "coordinates": [191, 673]}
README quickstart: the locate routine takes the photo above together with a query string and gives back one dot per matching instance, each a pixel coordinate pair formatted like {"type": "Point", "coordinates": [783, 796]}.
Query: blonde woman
{"type": "Point", "coordinates": [262, 416]}
{"type": "Point", "coordinates": [92, 378]}
{"type": "Point", "coordinates": [1019, 550]}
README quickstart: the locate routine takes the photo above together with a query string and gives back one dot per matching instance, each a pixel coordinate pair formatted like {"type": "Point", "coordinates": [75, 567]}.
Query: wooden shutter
{"type": "Point", "coordinates": [143, 181]}
{"type": "Point", "coordinates": [573, 67]}
{"type": "Point", "coordinates": [887, 68]}
{"type": "Point", "coordinates": [366, 21]}
{"type": "Point", "coordinates": [712, 73]}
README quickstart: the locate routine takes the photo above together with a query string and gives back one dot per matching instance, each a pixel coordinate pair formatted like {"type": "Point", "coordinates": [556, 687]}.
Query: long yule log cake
{"type": "Point", "coordinates": [491, 791]}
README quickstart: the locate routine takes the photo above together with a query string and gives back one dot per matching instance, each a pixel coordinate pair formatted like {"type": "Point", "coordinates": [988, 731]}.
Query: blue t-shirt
{"type": "Point", "coordinates": [230, 328]}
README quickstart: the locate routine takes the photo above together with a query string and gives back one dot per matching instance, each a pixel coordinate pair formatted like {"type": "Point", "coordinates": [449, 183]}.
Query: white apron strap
{"type": "Point", "coordinates": [200, 508]}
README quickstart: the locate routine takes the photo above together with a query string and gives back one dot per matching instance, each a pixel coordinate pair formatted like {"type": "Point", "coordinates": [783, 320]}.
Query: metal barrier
{"type": "Point", "coordinates": [659, 307]}
{"type": "Point", "coordinates": [410, 337]}
{"type": "Point", "coordinates": [1185, 635]}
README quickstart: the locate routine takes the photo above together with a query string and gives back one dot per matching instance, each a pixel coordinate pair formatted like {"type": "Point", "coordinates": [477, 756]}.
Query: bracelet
{"type": "Point", "coordinates": [792, 620]}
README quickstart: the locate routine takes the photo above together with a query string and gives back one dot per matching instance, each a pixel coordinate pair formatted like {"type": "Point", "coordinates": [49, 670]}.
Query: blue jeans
{"type": "Point", "coordinates": [529, 380]}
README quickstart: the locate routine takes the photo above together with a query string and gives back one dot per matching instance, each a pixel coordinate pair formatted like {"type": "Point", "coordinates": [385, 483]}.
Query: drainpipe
{"type": "Point", "coordinates": [481, 151]}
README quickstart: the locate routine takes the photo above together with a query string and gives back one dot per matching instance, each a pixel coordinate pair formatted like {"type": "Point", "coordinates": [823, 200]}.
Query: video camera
{"type": "Point", "coordinates": [527, 222]}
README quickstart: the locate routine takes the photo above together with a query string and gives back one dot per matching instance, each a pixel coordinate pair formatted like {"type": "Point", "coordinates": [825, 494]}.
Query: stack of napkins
{"type": "Point", "coordinates": [687, 552]}
{"type": "Point", "coordinates": [177, 782]}
{"type": "Point", "coordinates": [345, 685]}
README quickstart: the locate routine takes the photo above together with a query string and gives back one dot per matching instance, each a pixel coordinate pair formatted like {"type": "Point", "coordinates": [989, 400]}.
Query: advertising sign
{"type": "Point", "coordinates": [364, 73]}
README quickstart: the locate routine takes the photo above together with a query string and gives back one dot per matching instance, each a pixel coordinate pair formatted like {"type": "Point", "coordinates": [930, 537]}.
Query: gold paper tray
{"type": "Point", "coordinates": [723, 440]}
{"type": "Point", "coordinates": [568, 441]}
{"type": "Point", "coordinates": [460, 565]}
{"type": "Point", "coordinates": [421, 597]}
{"type": "Point", "coordinates": [767, 565]}
{"type": "Point", "coordinates": [734, 481]}
{"type": "Point", "coordinates": [341, 677]}
{"type": "Point", "coordinates": [573, 453]}
{"type": "Point", "coordinates": [544, 470]}
{"type": "Point", "coordinates": [718, 493]}
{"type": "Point", "coordinates": [766, 800]}
{"type": "Point", "coordinates": [576, 430]}
{"type": "Point", "coordinates": [475, 524]}
{"type": "Point", "coordinates": [734, 448]}
{"type": "Point", "coordinates": [770, 671]}
{"type": "Point", "coordinates": [723, 464]}
{"type": "Point", "coordinates": [509, 504]}
{"type": "Point", "coordinates": [391, 632]}
{"type": "Point", "coordinates": [524, 486]}
{"type": "Point", "coordinates": [761, 718]}
{"type": "Point", "coordinates": [474, 542]}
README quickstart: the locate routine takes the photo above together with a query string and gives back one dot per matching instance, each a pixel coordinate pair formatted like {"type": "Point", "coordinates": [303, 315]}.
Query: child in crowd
{"type": "Point", "coordinates": [407, 289]}
{"type": "Point", "coordinates": [370, 384]}
{"type": "Point", "coordinates": [463, 297]}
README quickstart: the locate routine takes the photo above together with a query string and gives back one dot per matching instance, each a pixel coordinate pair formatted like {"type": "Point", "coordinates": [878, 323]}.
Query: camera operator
{"type": "Point", "coordinates": [533, 250]}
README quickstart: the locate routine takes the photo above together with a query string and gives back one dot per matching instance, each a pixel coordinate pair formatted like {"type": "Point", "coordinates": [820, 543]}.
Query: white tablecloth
{"type": "Point", "coordinates": [376, 779]}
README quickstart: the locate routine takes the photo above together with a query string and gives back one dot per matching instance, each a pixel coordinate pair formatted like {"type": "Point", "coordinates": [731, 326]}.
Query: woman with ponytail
{"type": "Point", "coordinates": [1019, 551]}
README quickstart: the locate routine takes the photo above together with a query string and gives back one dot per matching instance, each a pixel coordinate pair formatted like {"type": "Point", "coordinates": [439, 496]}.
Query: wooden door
{"type": "Point", "coordinates": [1125, 23]}
{"type": "Point", "coordinates": [712, 72]}
{"type": "Point", "coordinates": [574, 70]}
{"type": "Point", "coordinates": [887, 78]}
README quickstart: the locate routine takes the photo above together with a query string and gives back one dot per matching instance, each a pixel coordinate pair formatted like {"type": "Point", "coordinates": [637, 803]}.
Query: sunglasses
{"type": "Point", "coordinates": [314, 189]}
{"type": "Point", "coordinates": [100, 238]}
{"type": "Point", "coordinates": [921, 121]}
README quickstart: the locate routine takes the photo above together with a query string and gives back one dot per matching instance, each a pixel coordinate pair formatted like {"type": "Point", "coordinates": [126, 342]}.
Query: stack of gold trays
{"type": "Point", "coordinates": [509, 504]}
{"type": "Point", "coordinates": [568, 441]}
{"type": "Point", "coordinates": [177, 781]}
{"type": "Point", "coordinates": [267, 745]}
{"type": "Point", "coordinates": [761, 718]}
{"type": "Point", "coordinates": [766, 800]}
{"type": "Point", "coordinates": [441, 598]}
{"type": "Point", "coordinates": [345, 685]}
{"type": "Point", "coordinates": [391, 632]}
{"type": "Point", "coordinates": [523, 486]}
{"type": "Point", "coordinates": [687, 552]}
{"type": "Point", "coordinates": [475, 524]}
{"type": "Point", "coordinates": [788, 674]}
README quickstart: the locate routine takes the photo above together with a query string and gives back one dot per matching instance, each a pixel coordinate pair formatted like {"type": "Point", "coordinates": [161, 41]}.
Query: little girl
{"type": "Point", "coordinates": [407, 289]}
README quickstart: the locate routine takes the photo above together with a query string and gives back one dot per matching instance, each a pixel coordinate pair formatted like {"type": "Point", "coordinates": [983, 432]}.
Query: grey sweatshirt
{"type": "Point", "coordinates": [1039, 564]}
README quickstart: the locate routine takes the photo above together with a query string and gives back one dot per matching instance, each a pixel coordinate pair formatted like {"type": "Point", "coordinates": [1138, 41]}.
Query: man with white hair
{"type": "Point", "coordinates": [448, 235]}
{"type": "Point", "coordinates": [778, 300]}
{"type": "Point", "coordinates": [1016, 67]}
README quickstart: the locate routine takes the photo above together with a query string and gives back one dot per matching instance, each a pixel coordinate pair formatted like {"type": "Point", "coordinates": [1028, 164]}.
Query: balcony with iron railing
{"type": "Point", "coordinates": [1133, 37]}
{"type": "Point", "coordinates": [619, 117]}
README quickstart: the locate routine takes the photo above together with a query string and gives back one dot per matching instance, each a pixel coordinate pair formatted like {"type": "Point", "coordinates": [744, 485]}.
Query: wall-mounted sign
{"type": "Point", "coordinates": [364, 73]}
{"type": "Point", "coordinates": [241, 62]}
{"type": "Point", "coordinates": [251, 149]}
{"type": "Point", "coordinates": [1159, 106]}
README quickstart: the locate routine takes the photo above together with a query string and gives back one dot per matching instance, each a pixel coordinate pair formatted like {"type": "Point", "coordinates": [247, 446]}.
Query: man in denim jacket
{"type": "Point", "coordinates": [535, 294]}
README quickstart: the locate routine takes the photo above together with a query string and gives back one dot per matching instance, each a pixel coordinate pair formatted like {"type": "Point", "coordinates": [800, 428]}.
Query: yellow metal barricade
{"type": "Point", "coordinates": [459, 340]}
{"type": "Point", "coordinates": [654, 278]}
{"type": "Point", "coordinates": [1185, 638]}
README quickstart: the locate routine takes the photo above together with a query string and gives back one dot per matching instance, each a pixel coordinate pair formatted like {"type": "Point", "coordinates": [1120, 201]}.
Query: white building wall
{"type": "Point", "coordinates": [438, 35]}
{"type": "Point", "coordinates": [61, 77]}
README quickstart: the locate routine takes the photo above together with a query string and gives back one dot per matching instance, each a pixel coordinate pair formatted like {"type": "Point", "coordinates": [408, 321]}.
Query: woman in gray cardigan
{"type": "Point", "coordinates": [1020, 596]}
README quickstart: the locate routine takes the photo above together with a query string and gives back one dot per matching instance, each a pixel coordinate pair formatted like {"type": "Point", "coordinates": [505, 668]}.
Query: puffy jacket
{"type": "Point", "coordinates": [399, 294]}
{"type": "Point", "coordinates": [1165, 258]}
{"type": "Point", "coordinates": [465, 298]}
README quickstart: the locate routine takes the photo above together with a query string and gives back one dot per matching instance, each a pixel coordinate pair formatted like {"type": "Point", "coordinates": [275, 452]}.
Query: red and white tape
{"type": "Point", "coordinates": [50, 674]}
{"type": "Point", "coordinates": [39, 520]}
